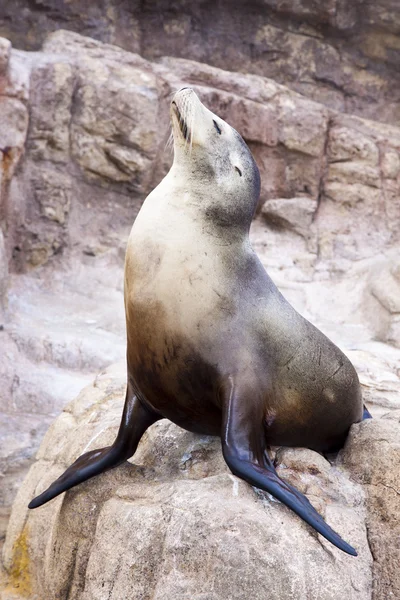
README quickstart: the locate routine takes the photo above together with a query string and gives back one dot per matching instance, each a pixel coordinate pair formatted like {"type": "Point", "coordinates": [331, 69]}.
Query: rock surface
{"type": "Point", "coordinates": [341, 53]}
{"type": "Point", "coordinates": [290, 213]}
{"type": "Point", "coordinates": [373, 457]}
{"type": "Point", "coordinates": [174, 523]}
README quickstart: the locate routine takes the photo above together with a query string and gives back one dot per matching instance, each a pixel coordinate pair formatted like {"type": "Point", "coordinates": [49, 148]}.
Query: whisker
{"type": "Point", "coordinates": [170, 141]}
{"type": "Point", "coordinates": [184, 118]}
{"type": "Point", "coordinates": [191, 131]}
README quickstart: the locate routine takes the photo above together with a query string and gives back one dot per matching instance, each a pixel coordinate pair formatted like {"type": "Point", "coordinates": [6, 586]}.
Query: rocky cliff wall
{"type": "Point", "coordinates": [95, 145]}
{"type": "Point", "coordinates": [173, 523]}
{"type": "Point", "coordinates": [342, 53]}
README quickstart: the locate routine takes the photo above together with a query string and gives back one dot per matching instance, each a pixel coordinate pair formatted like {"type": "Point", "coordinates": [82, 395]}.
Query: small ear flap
{"type": "Point", "coordinates": [217, 127]}
{"type": "Point", "coordinates": [244, 448]}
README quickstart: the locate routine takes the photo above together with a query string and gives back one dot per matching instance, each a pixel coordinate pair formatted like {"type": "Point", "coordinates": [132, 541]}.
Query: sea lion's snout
{"type": "Point", "coordinates": [192, 123]}
{"type": "Point", "coordinates": [183, 97]}
{"type": "Point", "coordinates": [182, 112]}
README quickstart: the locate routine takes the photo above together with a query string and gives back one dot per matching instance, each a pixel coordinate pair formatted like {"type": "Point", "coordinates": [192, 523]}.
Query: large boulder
{"type": "Point", "coordinates": [174, 523]}
{"type": "Point", "coordinates": [372, 455]}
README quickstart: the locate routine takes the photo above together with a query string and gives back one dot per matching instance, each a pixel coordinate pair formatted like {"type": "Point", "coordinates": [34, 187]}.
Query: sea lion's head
{"type": "Point", "coordinates": [214, 160]}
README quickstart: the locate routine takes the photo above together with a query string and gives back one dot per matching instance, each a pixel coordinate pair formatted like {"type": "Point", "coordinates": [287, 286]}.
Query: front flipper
{"type": "Point", "coordinates": [136, 418]}
{"type": "Point", "coordinates": [244, 450]}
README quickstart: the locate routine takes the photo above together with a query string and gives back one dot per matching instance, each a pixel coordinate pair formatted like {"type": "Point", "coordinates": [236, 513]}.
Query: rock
{"type": "Point", "coordinates": [372, 454]}
{"type": "Point", "coordinates": [352, 195]}
{"type": "Point", "coordinates": [175, 522]}
{"type": "Point", "coordinates": [379, 378]}
{"type": "Point", "coordinates": [5, 47]}
{"type": "Point", "coordinates": [382, 301]}
{"type": "Point", "coordinates": [53, 194]}
{"type": "Point", "coordinates": [390, 164]}
{"type": "Point", "coordinates": [83, 136]}
{"type": "Point", "coordinates": [301, 460]}
{"type": "Point", "coordinates": [303, 125]}
{"type": "Point", "coordinates": [56, 333]}
{"type": "Point", "coordinates": [13, 125]}
{"type": "Point", "coordinates": [341, 54]}
{"type": "Point", "coordinates": [13, 130]}
{"type": "Point", "coordinates": [387, 290]}
{"type": "Point", "coordinates": [52, 86]}
{"type": "Point", "coordinates": [30, 394]}
{"type": "Point", "coordinates": [3, 274]}
{"type": "Point", "coordinates": [354, 173]}
{"type": "Point", "coordinates": [114, 131]}
{"type": "Point", "coordinates": [355, 191]}
{"type": "Point", "coordinates": [292, 213]}
{"type": "Point", "coordinates": [346, 144]}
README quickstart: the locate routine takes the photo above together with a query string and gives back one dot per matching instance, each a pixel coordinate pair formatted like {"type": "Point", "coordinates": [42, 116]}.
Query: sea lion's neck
{"type": "Point", "coordinates": [221, 213]}
{"type": "Point", "coordinates": [178, 220]}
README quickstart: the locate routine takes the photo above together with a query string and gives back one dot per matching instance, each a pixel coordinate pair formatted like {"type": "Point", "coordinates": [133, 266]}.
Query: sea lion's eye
{"type": "Point", "coordinates": [239, 171]}
{"type": "Point", "coordinates": [217, 127]}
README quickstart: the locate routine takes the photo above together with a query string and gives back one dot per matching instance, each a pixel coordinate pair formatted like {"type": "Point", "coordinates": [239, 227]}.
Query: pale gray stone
{"type": "Point", "coordinates": [3, 273]}
{"type": "Point", "coordinates": [372, 454]}
{"type": "Point", "coordinates": [291, 213]}
{"type": "Point", "coordinates": [175, 523]}
{"type": "Point", "coordinates": [5, 48]}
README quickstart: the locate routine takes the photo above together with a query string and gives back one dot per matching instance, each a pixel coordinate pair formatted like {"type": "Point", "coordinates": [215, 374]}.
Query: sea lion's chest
{"type": "Point", "coordinates": [176, 308]}
{"type": "Point", "coordinates": [169, 368]}
{"type": "Point", "coordinates": [176, 281]}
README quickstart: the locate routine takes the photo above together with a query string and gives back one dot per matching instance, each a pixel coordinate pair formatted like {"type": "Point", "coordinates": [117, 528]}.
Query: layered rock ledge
{"type": "Point", "coordinates": [342, 53]}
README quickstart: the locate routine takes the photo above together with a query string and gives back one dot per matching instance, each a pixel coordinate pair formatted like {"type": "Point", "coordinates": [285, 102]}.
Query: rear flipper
{"type": "Point", "coordinates": [136, 419]}
{"type": "Point", "coordinates": [244, 449]}
{"type": "Point", "coordinates": [366, 414]}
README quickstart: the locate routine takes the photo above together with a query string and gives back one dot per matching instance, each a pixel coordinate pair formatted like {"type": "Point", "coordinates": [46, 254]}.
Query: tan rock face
{"type": "Point", "coordinates": [3, 272]}
{"type": "Point", "coordinates": [373, 456]}
{"type": "Point", "coordinates": [343, 54]}
{"type": "Point", "coordinates": [103, 138]}
{"type": "Point", "coordinates": [53, 194]}
{"type": "Point", "coordinates": [175, 523]}
{"type": "Point", "coordinates": [291, 213]}
{"type": "Point", "coordinates": [5, 48]}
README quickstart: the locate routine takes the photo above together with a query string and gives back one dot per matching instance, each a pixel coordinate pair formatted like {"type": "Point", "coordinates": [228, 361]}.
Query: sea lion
{"type": "Point", "coordinates": [212, 344]}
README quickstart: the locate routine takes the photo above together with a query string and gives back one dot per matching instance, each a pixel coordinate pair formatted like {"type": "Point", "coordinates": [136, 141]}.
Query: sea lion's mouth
{"type": "Point", "coordinates": [181, 122]}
